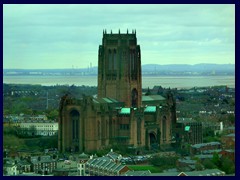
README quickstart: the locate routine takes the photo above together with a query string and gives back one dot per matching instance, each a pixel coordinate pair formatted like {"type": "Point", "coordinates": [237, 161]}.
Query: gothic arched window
{"type": "Point", "coordinates": [164, 127]}
{"type": "Point", "coordinates": [99, 130]}
{"type": "Point", "coordinates": [114, 59]}
{"type": "Point", "coordinates": [134, 97]}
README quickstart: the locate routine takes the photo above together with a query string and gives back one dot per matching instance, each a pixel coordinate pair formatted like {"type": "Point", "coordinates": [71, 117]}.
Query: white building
{"type": "Point", "coordinates": [42, 128]}
{"type": "Point", "coordinates": [83, 158]}
{"type": "Point", "coordinates": [10, 169]}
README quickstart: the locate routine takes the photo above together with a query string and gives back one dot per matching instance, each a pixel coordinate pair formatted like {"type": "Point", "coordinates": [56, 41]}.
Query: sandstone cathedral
{"type": "Point", "coordinates": [120, 114]}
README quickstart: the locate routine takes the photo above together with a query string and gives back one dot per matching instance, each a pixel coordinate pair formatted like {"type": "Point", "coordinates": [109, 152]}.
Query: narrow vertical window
{"type": "Point", "coordinates": [109, 60]}
{"type": "Point", "coordinates": [99, 130]}
{"type": "Point", "coordinates": [130, 63]}
{"type": "Point", "coordinates": [133, 62]}
{"type": "Point", "coordinates": [115, 60]}
{"type": "Point", "coordinates": [164, 127]}
{"type": "Point", "coordinates": [134, 98]}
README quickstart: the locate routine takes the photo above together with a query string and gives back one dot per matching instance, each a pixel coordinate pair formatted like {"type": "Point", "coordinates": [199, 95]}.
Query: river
{"type": "Point", "coordinates": [147, 81]}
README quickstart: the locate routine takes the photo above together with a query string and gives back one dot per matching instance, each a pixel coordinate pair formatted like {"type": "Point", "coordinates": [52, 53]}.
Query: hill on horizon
{"type": "Point", "coordinates": [170, 69]}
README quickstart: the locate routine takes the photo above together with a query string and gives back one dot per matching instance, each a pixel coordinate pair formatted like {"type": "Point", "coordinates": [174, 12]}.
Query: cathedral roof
{"type": "Point", "coordinates": [150, 109]}
{"type": "Point", "coordinates": [105, 100]}
{"type": "Point", "coordinates": [153, 98]}
{"type": "Point", "coordinates": [125, 111]}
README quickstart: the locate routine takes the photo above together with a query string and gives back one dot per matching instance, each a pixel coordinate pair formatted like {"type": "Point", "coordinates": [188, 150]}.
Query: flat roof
{"type": "Point", "coordinates": [153, 98]}
{"type": "Point", "coordinates": [150, 109]}
{"type": "Point", "coordinates": [125, 111]}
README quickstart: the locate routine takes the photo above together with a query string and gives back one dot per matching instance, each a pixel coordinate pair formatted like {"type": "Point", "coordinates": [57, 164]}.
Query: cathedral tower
{"type": "Point", "coordinates": [119, 68]}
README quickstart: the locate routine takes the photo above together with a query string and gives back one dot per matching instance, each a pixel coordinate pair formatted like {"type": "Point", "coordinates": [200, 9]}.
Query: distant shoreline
{"type": "Point", "coordinates": [147, 81]}
{"type": "Point", "coordinates": [146, 69]}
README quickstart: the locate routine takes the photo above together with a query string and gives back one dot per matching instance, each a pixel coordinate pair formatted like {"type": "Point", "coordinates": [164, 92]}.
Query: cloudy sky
{"type": "Point", "coordinates": [66, 36]}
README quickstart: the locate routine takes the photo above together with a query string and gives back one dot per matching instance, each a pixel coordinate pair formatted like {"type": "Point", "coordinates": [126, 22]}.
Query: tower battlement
{"type": "Point", "coordinates": [133, 32]}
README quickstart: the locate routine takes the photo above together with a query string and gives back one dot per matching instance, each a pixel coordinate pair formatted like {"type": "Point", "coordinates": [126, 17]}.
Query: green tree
{"type": "Point", "coordinates": [208, 164]}
{"type": "Point", "coordinates": [208, 132]}
{"type": "Point", "coordinates": [53, 114]}
{"type": "Point", "coordinates": [198, 166]}
{"type": "Point", "coordinates": [228, 166]}
{"type": "Point", "coordinates": [231, 118]}
{"type": "Point", "coordinates": [163, 161]}
{"type": "Point", "coordinates": [18, 107]}
{"type": "Point", "coordinates": [216, 160]}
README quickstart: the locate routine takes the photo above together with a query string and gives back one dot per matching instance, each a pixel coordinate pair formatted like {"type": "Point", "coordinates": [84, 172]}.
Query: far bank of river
{"type": "Point", "coordinates": [147, 81]}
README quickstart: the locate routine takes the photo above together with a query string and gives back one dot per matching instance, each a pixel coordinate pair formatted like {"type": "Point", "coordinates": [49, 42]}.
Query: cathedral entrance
{"type": "Point", "coordinates": [153, 141]}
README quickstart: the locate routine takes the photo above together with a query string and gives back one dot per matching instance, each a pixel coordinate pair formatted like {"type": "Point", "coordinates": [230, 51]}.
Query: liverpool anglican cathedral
{"type": "Point", "coordinates": [120, 114]}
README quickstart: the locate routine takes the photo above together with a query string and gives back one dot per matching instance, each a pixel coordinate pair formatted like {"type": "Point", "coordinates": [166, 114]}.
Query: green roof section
{"type": "Point", "coordinates": [125, 111]}
{"type": "Point", "coordinates": [95, 101]}
{"type": "Point", "coordinates": [153, 98]}
{"type": "Point", "coordinates": [187, 128]}
{"type": "Point", "coordinates": [150, 109]}
{"type": "Point", "coordinates": [113, 100]}
{"type": "Point", "coordinates": [107, 100]}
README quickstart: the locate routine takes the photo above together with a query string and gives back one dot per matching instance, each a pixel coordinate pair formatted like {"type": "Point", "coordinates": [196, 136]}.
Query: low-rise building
{"type": "Point", "coordinates": [66, 168]}
{"type": "Point", "coordinates": [206, 172]}
{"type": "Point", "coordinates": [228, 153]}
{"type": "Point", "coordinates": [43, 164]}
{"type": "Point", "coordinates": [186, 164]}
{"type": "Point", "coordinates": [137, 173]}
{"type": "Point", "coordinates": [104, 166]}
{"type": "Point", "coordinates": [24, 166]}
{"type": "Point", "coordinates": [9, 167]}
{"type": "Point", "coordinates": [38, 127]}
{"type": "Point", "coordinates": [230, 129]}
{"type": "Point", "coordinates": [228, 141]}
{"type": "Point", "coordinates": [198, 148]}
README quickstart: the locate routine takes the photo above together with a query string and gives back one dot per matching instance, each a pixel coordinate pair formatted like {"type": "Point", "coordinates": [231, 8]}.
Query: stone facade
{"type": "Point", "coordinates": [120, 115]}
{"type": "Point", "coordinates": [119, 68]}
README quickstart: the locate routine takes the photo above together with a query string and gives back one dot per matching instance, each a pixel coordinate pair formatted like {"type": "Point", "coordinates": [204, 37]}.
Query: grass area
{"type": "Point", "coordinates": [12, 141]}
{"type": "Point", "coordinates": [151, 168]}
{"type": "Point", "coordinates": [32, 144]}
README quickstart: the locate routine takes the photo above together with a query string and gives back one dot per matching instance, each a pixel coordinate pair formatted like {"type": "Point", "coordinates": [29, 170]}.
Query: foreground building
{"type": "Point", "coordinates": [121, 114]}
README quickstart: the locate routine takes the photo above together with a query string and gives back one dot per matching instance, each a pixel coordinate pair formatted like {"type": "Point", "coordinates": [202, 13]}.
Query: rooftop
{"type": "Point", "coordinates": [206, 172]}
{"type": "Point", "coordinates": [231, 135]}
{"type": "Point", "coordinates": [105, 100]}
{"type": "Point", "coordinates": [150, 109]}
{"type": "Point", "coordinates": [153, 98]}
{"type": "Point", "coordinates": [137, 173]}
{"type": "Point", "coordinates": [205, 144]}
{"type": "Point", "coordinates": [125, 111]}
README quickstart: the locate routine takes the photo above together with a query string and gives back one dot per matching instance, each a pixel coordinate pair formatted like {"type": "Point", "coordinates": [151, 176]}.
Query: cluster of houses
{"type": "Point", "coordinates": [203, 151]}
{"type": "Point", "coordinates": [85, 165]}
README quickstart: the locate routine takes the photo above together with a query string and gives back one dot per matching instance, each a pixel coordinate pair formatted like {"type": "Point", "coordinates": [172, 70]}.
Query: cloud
{"type": "Point", "coordinates": [31, 32]}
